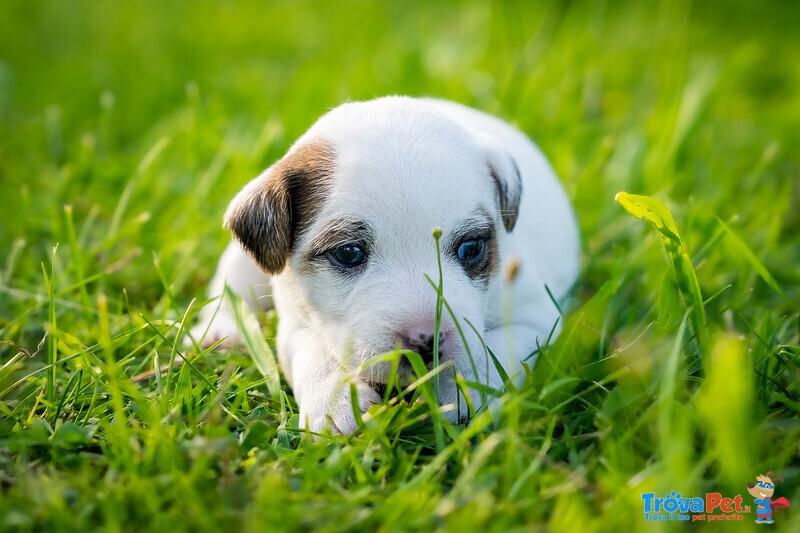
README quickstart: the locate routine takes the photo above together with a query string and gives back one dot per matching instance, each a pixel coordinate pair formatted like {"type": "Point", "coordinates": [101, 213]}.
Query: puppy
{"type": "Point", "coordinates": [339, 232]}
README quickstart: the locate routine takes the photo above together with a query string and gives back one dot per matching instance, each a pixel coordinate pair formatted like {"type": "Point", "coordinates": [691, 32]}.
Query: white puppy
{"type": "Point", "coordinates": [340, 230]}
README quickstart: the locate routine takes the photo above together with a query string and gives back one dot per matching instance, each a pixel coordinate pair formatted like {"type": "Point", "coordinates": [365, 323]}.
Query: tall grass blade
{"type": "Point", "coordinates": [657, 215]}
{"type": "Point", "coordinates": [754, 261]}
{"type": "Point", "coordinates": [257, 347]}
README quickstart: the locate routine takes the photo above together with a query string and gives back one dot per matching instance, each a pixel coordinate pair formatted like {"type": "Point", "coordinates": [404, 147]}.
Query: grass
{"type": "Point", "coordinates": [124, 129]}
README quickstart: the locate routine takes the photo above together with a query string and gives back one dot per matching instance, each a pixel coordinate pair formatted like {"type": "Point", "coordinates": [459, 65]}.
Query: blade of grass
{"type": "Point", "coordinates": [256, 343]}
{"type": "Point", "coordinates": [754, 261]}
{"type": "Point", "coordinates": [145, 164]}
{"type": "Point", "coordinates": [656, 214]}
{"type": "Point", "coordinates": [71, 384]}
{"type": "Point", "coordinates": [52, 343]}
{"type": "Point", "coordinates": [437, 234]}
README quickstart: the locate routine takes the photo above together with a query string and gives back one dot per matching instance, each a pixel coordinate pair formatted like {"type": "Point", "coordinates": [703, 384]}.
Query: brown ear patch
{"type": "Point", "coordinates": [508, 191]}
{"type": "Point", "coordinates": [269, 213]}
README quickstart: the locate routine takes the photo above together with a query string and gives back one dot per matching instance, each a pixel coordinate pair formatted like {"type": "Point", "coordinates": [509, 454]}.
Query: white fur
{"type": "Point", "coordinates": [407, 166]}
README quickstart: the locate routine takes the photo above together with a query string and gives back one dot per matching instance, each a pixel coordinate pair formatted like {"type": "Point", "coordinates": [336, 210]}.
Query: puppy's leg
{"type": "Point", "coordinates": [242, 275]}
{"type": "Point", "coordinates": [321, 386]}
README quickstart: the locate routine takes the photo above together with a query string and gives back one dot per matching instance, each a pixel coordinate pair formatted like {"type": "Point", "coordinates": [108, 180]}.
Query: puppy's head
{"type": "Point", "coordinates": [344, 221]}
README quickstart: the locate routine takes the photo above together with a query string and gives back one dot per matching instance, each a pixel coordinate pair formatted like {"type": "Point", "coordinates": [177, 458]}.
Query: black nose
{"type": "Point", "coordinates": [422, 343]}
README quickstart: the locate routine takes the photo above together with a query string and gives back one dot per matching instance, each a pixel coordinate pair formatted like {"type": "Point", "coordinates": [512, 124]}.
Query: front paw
{"type": "Point", "coordinates": [336, 411]}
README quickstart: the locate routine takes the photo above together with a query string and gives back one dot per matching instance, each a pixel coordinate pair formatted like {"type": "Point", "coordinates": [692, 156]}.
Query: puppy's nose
{"type": "Point", "coordinates": [420, 340]}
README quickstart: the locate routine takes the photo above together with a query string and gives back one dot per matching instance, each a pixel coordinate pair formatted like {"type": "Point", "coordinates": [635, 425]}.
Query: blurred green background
{"type": "Point", "coordinates": [692, 100]}
{"type": "Point", "coordinates": [146, 117]}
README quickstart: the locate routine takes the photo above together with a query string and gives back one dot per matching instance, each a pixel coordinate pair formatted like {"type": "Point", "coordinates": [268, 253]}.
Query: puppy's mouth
{"type": "Point", "coordinates": [377, 368]}
{"type": "Point", "coordinates": [380, 388]}
{"type": "Point", "coordinates": [406, 375]}
{"type": "Point", "coordinates": [405, 369]}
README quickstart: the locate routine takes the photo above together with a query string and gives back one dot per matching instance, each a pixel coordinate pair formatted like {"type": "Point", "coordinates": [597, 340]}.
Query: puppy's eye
{"type": "Point", "coordinates": [348, 255]}
{"type": "Point", "coordinates": [471, 251]}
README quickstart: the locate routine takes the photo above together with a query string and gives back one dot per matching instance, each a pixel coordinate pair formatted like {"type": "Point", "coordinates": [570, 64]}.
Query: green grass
{"type": "Point", "coordinates": [125, 127]}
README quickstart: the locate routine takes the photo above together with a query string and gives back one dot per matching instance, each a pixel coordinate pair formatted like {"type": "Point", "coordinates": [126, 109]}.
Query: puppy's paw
{"type": "Point", "coordinates": [222, 328]}
{"type": "Point", "coordinates": [337, 412]}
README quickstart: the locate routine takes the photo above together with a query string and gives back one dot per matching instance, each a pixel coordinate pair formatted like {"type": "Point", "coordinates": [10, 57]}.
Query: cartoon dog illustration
{"type": "Point", "coordinates": [762, 491]}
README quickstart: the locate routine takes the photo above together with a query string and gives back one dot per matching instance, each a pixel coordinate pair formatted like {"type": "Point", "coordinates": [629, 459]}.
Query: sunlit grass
{"type": "Point", "coordinates": [126, 127]}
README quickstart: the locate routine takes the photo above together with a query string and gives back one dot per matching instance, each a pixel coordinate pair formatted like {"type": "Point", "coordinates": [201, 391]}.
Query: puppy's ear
{"type": "Point", "coordinates": [269, 212]}
{"type": "Point", "coordinates": [505, 174]}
